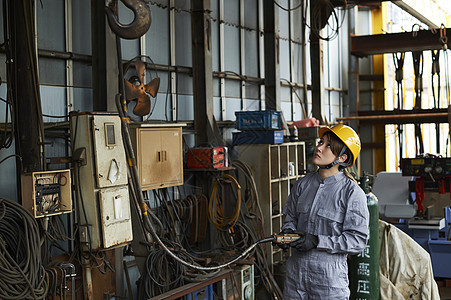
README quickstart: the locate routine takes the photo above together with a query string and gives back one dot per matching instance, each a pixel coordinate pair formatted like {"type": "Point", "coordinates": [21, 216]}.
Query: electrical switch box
{"type": "Point", "coordinates": [159, 155]}
{"type": "Point", "coordinates": [101, 180]}
{"type": "Point", "coordinates": [47, 193]}
{"type": "Point", "coordinates": [115, 215]}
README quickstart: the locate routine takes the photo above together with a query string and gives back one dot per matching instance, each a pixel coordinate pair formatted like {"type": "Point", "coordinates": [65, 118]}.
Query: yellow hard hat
{"type": "Point", "coordinates": [348, 136]}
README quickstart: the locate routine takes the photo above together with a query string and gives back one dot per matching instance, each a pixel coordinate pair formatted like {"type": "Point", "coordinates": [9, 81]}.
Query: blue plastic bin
{"type": "Point", "coordinates": [258, 120]}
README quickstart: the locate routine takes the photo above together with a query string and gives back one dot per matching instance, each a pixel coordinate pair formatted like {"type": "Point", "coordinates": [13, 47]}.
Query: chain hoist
{"type": "Point", "coordinates": [418, 68]}
{"type": "Point", "coordinates": [398, 61]}
{"type": "Point", "coordinates": [435, 54]}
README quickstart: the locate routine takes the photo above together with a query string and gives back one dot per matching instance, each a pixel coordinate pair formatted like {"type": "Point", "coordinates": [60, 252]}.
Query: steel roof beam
{"type": "Point", "coordinates": [413, 116]}
{"type": "Point", "coordinates": [420, 40]}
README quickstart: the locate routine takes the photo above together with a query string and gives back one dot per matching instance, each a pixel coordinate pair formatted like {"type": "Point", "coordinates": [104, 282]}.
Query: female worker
{"type": "Point", "coordinates": [328, 210]}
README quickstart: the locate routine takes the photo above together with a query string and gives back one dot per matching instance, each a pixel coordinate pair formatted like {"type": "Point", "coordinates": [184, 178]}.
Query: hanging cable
{"type": "Point", "coordinates": [252, 199]}
{"type": "Point", "coordinates": [447, 79]}
{"type": "Point", "coordinates": [216, 209]}
{"type": "Point", "coordinates": [417, 57]}
{"type": "Point", "coordinates": [418, 69]}
{"type": "Point", "coordinates": [288, 9]}
{"type": "Point", "coordinates": [398, 61]}
{"type": "Point", "coordinates": [320, 14]}
{"type": "Point", "coordinates": [55, 232]}
{"type": "Point", "coordinates": [436, 71]}
{"type": "Point", "coordinates": [301, 101]}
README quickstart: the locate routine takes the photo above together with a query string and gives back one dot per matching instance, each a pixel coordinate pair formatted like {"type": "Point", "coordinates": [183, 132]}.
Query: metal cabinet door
{"type": "Point", "coordinates": [160, 159]}
{"type": "Point", "coordinates": [110, 160]}
{"type": "Point", "coordinates": [115, 215]}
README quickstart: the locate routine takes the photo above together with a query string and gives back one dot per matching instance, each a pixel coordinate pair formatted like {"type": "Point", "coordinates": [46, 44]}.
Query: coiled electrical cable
{"type": "Point", "coordinates": [253, 200]}
{"type": "Point", "coordinates": [22, 275]}
{"type": "Point", "coordinates": [215, 208]}
{"type": "Point", "coordinates": [162, 273]}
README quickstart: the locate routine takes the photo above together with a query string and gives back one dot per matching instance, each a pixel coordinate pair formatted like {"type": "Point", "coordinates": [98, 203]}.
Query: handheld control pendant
{"type": "Point", "coordinates": [286, 238]}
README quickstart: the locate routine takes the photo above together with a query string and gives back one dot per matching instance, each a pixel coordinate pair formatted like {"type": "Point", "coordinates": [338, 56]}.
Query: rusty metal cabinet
{"type": "Point", "coordinates": [159, 155]}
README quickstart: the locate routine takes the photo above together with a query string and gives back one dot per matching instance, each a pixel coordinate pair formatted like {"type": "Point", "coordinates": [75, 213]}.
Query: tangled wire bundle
{"type": "Point", "coordinates": [162, 273]}
{"type": "Point", "coordinates": [22, 275]}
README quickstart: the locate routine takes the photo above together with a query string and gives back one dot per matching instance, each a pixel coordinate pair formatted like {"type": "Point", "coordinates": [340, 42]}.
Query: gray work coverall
{"type": "Point", "coordinates": [336, 211]}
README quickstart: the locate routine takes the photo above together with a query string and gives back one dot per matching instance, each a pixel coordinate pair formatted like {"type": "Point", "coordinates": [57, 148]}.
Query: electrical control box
{"type": "Point", "coordinates": [101, 181]}
{"type": "Point", "coordinates": [426, 166]}
{"type": "Point", "coordinates": [47, 193]}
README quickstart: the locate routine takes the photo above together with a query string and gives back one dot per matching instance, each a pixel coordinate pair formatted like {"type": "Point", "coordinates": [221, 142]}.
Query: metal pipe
{"type": "Point", "coordinates": [222, 46]}
{"type": "Point", "coordinates": [332, 89]}
{"type": "Point", "coordinates": [64, 55]}
{"type": "Point", "coordinates": [242, 54]}
{"type": "Point", "coordinates": [88, 59]}
{"type": "Point", "coordinates": [172, 61]}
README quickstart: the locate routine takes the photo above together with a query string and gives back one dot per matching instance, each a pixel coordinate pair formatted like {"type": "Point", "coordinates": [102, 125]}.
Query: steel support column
{"type": "Point", "coordinates": [202, 70]}
{"type": "Point", "coordinates": [272, 70]}
{"type": "Point", "coordinates": [242, 55]}
{"type": "Point", "coordinates": [380, 157]}
{"type": "Point", "coordinates": [172, 60]}
{"type": "Point", "coordinates": [316, 63]}
{"type": "Point", "coordinates": [23, 81]}
{"type": "Point", "coordinates": [261, 56]}
{"type": "Point", "coordinates": [222, 67]}
{"type": "Point", "coordinates": [104, 60]}
{"type": "Point", "coordinates": [351, 102]}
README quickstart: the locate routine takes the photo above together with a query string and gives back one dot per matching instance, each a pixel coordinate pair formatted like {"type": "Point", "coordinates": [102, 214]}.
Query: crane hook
{"type": "Point", "coordinates": [139, 25]}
